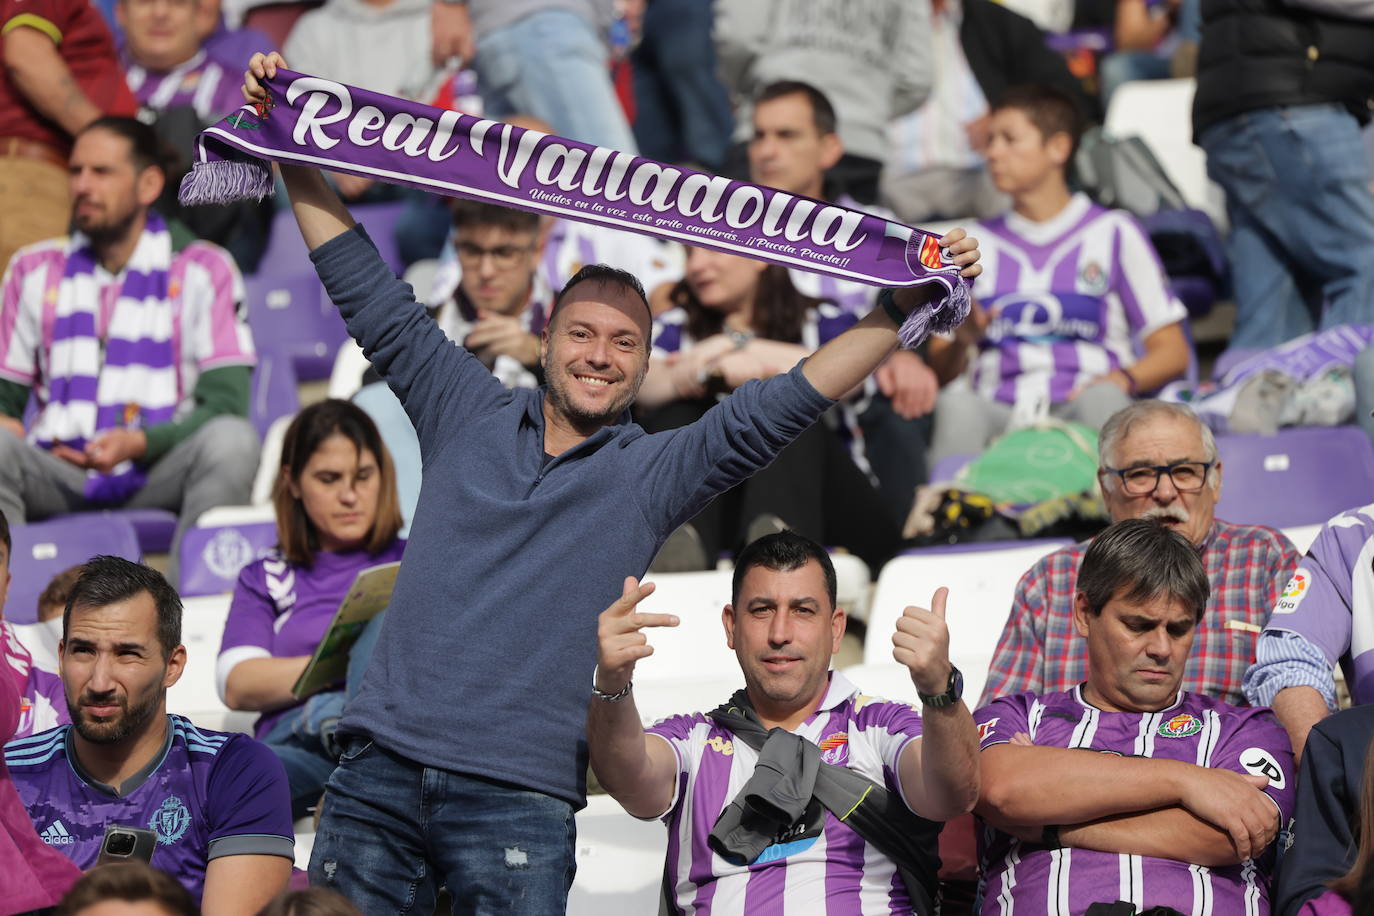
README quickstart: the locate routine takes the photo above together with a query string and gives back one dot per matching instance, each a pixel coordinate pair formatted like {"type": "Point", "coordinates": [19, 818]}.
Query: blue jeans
{"type": "Point", "coordinates": [552, 65]}
{"type": "Point", "coordinates": [297, 738]}
{"type": "Point", "coordinates": [1128, 66]}
{"type": "Point", "coordinates": [1302, 220]}
{"type": "Point", "coordinates": [394, 832]}
{"type": "Point", "coordinates": [682, 111]}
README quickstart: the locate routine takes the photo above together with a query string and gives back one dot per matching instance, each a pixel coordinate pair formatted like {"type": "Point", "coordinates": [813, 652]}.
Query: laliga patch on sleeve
{"type": "Point", "coordinates": [1258, 762]}
{"type": "Point", "coordinates": [1293, 592]}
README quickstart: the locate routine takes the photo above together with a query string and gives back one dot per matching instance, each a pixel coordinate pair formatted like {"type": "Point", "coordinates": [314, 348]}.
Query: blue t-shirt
{"type": "Point", "coordinates": [207, 794]}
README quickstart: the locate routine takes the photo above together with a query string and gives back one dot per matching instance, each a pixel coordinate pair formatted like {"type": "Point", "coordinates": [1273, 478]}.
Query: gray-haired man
{"type": "Point", "coordinates": [1156, 460]}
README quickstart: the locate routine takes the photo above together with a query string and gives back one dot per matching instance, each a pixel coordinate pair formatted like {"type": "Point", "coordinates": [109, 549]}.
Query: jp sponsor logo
{"type": "Point", "coordinates": [1258, 762]}
{"type": "Point", "coordinates": [1182, 725]}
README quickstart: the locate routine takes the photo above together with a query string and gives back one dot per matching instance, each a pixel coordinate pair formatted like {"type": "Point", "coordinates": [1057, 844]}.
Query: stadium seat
{"type": "Point", "coordinates": [691, 669]}
{"type": "Point", "coordinates": [347, 375]}
{"type": "Point", "coordinates": [620, 861]}
{"type": "Point", "coordinates": [211, 557]}
{"type": "Point", "coordinates": [853, 585]}
{"type": "Point", "coordinates": [1299, 476]}
{"type": "Point", "coordinates": [292, 318]}
{"type": "Point", "coordinates": [44, 549]}
{"type": "Point", "coordinates": [194, 695]}
{"type": "Point", "coordinates": [1160, 113]}
{"type": "Point", "coordinates": [274, 390]}
{"type": "Point", "coordinates": [982, 583]}
{"type": "Point", "coordinates": [153, 528]}
{"type": "Point", "coordinates": [288, 255]}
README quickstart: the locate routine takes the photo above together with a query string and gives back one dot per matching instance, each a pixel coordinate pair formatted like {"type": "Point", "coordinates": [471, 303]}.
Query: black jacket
{"type": "Point", "coordinates": [1005, 49]}
{"type": "Point", "coordinates": [1324, 832]}
{"type": "Point", "coordinates": [1265, 54]}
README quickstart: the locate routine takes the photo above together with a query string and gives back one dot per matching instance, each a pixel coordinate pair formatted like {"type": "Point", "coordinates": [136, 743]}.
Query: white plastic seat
{"type": "Point", "coordinates": [982, 584]}
{"type": "Point", "coordinates": [1160, 113]}
{"type": "Point", "coordinates": [620, 862]}
{"type": "Point", "coordinates": [194, 695]}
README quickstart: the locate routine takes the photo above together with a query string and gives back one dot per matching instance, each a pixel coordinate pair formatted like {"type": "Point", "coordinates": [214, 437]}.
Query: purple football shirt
{"type": "Point", "coordinates": [820, 865]}
{"type": "Point", "coordinates": [1068, 300]}
{"type": "Point", "coordinates": [200, 83]}
{"type": "Point", "coordinates": [1021, 877]}
{"type": "Point", "coordinates": [282, 610]}
{"type": "Point", "coordinates": [42, 701]}
{"type": "Point", "coordinates": [208, 794]}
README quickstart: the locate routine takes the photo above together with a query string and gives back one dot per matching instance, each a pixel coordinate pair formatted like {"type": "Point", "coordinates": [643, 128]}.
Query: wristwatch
{"type": "Point", "coordinates": [953, 693]}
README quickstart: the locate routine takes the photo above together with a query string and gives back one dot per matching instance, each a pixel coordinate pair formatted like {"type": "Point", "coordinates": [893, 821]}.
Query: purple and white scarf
{"type": "Point", "coordinates": [125, 377]}
{"type": "Point", "coordinates": [311, 121]}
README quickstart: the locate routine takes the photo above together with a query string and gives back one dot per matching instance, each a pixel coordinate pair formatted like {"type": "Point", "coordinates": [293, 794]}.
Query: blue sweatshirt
{"type": "Point", "coordinates": [484, 665]}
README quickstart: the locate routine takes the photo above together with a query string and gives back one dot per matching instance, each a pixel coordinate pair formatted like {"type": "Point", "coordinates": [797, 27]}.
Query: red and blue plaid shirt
{"type": "Point", "coordinates": [1040, 651]}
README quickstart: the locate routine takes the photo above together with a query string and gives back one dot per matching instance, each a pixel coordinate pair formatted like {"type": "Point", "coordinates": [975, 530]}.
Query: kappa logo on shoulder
{"type": "Point", "coordinates": [1182, 725]}
{"type": "Point", "coordinates": [722, 746]}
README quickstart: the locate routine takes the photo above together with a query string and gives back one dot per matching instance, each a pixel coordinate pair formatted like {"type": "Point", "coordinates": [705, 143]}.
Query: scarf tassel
{"type": "Point", "coordinates": [226, 179]}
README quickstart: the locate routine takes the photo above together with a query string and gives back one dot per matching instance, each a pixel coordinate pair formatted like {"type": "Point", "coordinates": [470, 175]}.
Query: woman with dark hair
{"type": "Point", "coordinates": [337, 515]}
{"type": "Point", "coordinates": [737, 319]}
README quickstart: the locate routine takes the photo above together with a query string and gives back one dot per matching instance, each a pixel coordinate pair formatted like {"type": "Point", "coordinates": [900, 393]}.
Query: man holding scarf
{"type": "Point", "coordinates": [464, 754]}
{"type": "Point", "coordinates": [138, 356]}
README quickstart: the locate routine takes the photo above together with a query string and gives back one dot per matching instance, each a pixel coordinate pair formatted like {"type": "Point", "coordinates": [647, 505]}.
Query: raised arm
{"type": "Point", "coordinates": [843, 363]}
{"type": "Point", "coordinates": [940, 770]}
{"type": "Point", "coordinates": [637, 769]}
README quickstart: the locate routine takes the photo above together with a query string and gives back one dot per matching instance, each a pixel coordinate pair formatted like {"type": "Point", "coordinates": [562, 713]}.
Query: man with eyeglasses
{"type": "Point", "coordinates": [1156, 460]}
{"type": "Point", "coordinates": [498, 304]}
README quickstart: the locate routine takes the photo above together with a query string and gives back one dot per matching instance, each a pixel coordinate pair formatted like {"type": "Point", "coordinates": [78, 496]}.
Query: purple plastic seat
{"type": "Point", "coordinates": [211, 558]}
{"type": "Point", "coordinates": [1301, 476]}
{"type": "Point", "coordinates": [948, 467]}
{"type": "Point", "coordinates": [291, 317]}
{"type": "Point", "coordinates": [153, 528]}
{"type": "Point", "coordinates": [286, 254]}
{"type": "Point", "coordinates": [274, 391]}
{"type": "Point", "coordinates": [44, 549]}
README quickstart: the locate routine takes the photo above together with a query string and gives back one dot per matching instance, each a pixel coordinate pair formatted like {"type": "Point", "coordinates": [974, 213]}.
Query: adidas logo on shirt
{"type": "Point", "coordinates": [56, 835]}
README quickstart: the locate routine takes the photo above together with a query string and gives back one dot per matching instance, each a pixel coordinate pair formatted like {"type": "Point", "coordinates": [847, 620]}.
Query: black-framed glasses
{"type": "Point", "coordinates": [1187, 476]}
{"type": "Point", "coordinates": [503, 256]}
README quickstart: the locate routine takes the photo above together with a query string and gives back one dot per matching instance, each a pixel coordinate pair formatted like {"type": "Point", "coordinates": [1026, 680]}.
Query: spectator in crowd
{"type": "Point", "coordinates": [32, 876]}
{"type": "Point", "coordinates": [127, 889]}
{"type": "Point", "coordinates": [337, 515]}
{"type": "Point", "coordinates": [1319, 620]}
{"type": "Point", "coordinates": [871, 58]}
{"type": "Point", "coordinates": [1076, 316]}
{"type": "Point", "coordinates": [545, 58]}
{"type": "Point", "coordinates": [1279, 117]}
{"type": "Point", "coordinates": [1183, 795]}
{"type": "Point", "coordinates": [216, 801]}
{"type": "Point", "coordinates": [1146, 36]}
{"type": "Point", "coordinates": [682, 111]}
{"type": "Point", "coordinates": [935, 167]}
{"type": "Point", "coordinates": [795, 147]}
{"type": "Point", "coordinates": [498, 303]}
{"type": "Point", "coordinates": [532, 502]}
{"type": "Point", "coordinates": [375, 44]}
{"type": "Point", "coordinates": [59, 74]}
{"type": "Point", "coordinates": [181, 90]}
{"type": "Point", "coordinates": [739, 319]}
{"type": "Point", "coordinates": [39, 692]}
{"type": "Point", "coordinates": [1156, 460]}
{"type": "Point", "coordinates": [138, 354]}
{"type": "Point", "coordinates": [230, 46]}
{"type": "Point", "coordinates": [1327, 868]}
{"type": "Point", "coordinates": [310, 901]}
{"type": "Point", "coordinates": [794, 714]}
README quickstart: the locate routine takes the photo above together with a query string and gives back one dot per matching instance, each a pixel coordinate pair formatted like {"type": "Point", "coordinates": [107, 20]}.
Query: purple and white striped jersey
{"type": "Point", "coordinates": [1021, 877]}
{"type": "Point", "coordinates": [819, 865]}
{"type": "Point", "coordinates": [1068, 300]}
{"type": "Point", "coordinates": [200, 84]}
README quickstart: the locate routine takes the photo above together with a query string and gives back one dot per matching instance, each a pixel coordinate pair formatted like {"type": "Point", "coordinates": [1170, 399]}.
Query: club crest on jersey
{"type": "Point", "coordinates": [835, 747]}
{"type": "Point", "coordinates": [1093, 279]}
{"type": "Point", "coordinates": [170, 820]}
{"type": "Point", "coordinates": [1182, 725]}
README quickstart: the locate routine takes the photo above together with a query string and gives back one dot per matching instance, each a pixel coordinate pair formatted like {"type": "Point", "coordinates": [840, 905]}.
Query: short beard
{"type": "Point", "coordinates": [105, 235]}
{"type": "Point", "coordinates": [558, 397]}
{"type": "Point", "coordinates": [131, 720]}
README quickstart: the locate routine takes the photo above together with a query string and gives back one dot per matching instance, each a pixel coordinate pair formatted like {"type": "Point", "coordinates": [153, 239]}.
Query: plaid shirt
{"type": "Point", "coordinates": [1040, 651]}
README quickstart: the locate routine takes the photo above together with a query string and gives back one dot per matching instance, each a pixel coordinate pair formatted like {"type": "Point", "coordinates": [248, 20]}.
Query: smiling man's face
{"type": "Point", "coordinates": [595, 353]}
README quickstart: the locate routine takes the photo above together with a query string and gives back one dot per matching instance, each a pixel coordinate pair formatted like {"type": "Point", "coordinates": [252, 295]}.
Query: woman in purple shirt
{"type": "Point", "coordinates": [337, 514]}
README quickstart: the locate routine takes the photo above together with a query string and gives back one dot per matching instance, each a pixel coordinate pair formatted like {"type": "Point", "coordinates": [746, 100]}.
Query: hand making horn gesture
{"type": "Point", "coordinates": [921, 643]}
{"type": "Point", "coordinates": [619, 641]}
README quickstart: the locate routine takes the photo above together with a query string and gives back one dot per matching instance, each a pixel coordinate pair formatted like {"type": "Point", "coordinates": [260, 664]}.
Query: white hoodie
{"type": "Point", "coordinates": [382, 47]}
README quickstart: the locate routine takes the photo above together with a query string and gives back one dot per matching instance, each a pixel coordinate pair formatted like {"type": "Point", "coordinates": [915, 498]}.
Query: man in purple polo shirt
{"type": "Point", "coordinates": [693, 770]}
{"type": "Point", "coordinates": [217, 803]}
{"type": "Point", "coordinates": [1125, 787]}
